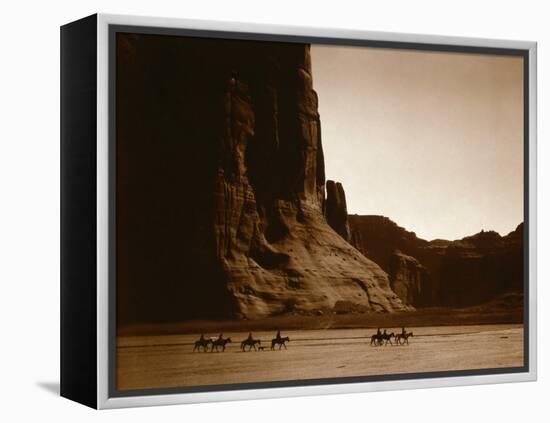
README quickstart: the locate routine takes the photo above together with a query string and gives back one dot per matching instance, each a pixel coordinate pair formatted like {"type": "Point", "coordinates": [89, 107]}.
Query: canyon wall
{"type": "Point", "coordinates": [458, 273]}
{"type": "Point", "coordinates": [221, 208]}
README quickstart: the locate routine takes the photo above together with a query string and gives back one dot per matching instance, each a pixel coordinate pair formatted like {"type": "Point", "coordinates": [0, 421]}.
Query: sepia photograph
{"type": "Point", "coordinates": [292, 212]}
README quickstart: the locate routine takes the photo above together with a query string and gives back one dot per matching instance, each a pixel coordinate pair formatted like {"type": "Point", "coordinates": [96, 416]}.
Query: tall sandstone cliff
{"type": "Point", "coordinates": [221, 186]}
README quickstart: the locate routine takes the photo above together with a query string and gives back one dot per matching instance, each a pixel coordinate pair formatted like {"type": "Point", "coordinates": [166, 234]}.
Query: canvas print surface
{"type": "Point", "coordinates": [302, 212]}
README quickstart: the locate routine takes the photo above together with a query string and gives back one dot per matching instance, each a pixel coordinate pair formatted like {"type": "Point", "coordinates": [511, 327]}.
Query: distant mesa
{"type": "Point", "coordinates": [464, 272]}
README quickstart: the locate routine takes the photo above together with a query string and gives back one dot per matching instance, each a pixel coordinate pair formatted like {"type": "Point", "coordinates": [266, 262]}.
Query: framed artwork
{"type": "Point", "coordinates": [254, 211]}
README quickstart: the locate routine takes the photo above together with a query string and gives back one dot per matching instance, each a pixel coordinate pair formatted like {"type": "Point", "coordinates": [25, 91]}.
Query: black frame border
{"type": "Point", "coordinates": [78, 211]}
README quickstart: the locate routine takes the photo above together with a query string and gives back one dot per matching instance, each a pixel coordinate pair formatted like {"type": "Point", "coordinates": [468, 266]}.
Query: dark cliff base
{"type": "Point", "coordinates": [506, 309]}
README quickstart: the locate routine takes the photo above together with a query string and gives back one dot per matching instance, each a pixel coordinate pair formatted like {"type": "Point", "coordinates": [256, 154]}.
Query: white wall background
{"type": "Point", "coordinates": [29, 209]}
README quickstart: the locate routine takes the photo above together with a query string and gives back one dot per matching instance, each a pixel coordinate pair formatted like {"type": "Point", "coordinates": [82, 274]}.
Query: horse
{"type": "Point", "coordinates": [220, 342]}
{"type": "Point", "coordinates": [281, 341]}
{"type": "Point", "coordinates": [376, 339]}
{"type": "Point", "coordinates": [382, 338]}
{"type": "Point", "coordinates": [202, 343]}
{"type": "Point", "coordinates": [251, 343]}
{"type": "Point", "coordinates": [403, 338]}
{"type": "Point", "coordinates": [387, 337]}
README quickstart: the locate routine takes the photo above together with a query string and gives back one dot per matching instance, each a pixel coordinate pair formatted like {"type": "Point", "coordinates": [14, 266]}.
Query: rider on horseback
{"type": "Point", "coordinates": [279, 340]}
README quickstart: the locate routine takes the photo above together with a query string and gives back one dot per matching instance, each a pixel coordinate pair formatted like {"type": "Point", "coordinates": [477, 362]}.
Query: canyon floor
{"type": "Point", "coordinates": [165, 361]}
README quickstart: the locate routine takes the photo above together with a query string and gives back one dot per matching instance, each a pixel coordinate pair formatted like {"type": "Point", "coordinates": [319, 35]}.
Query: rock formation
{"type": "Point", "coordinates": [336, 209]}
{"type": "Point", "coordinates": [480, 267]}
{"type": "Point", "coordinates": [221, 187]}
{"type": "Point", "coordinates": [408, 278]}
{"type": "Point", "coordinates": [458, 273]}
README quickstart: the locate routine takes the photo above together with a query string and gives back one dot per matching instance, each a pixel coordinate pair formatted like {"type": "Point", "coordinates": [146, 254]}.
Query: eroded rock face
{"type": "Point", "coordinates": [221, 197]}
{"type": "Point", "coordinates": [458, 273]}
{"type": "Point", "coordinates": [278, 252]}
{"type": "Point", "coordinates": [409, 279]}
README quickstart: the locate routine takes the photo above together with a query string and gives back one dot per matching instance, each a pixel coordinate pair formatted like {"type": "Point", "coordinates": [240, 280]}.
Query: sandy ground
{"type": "Point", "coordinates": [169, 361]}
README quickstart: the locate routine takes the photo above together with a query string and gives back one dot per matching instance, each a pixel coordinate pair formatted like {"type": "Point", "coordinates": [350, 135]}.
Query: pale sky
{"type": "Point", "coordinates": [432, 140]}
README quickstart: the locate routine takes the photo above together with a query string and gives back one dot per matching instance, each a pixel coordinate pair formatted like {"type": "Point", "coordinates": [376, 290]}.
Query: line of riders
{"type": "Point", "coordinates": [250, 342]}
{"type": "Point", "coordinates": [383, 338]}
{"type": "Point", "coordinates": [378, 339]}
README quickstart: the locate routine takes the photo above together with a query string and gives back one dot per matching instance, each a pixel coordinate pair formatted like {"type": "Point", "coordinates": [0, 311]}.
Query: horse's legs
{"type": "Point", "coordinates": [284, 345]}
